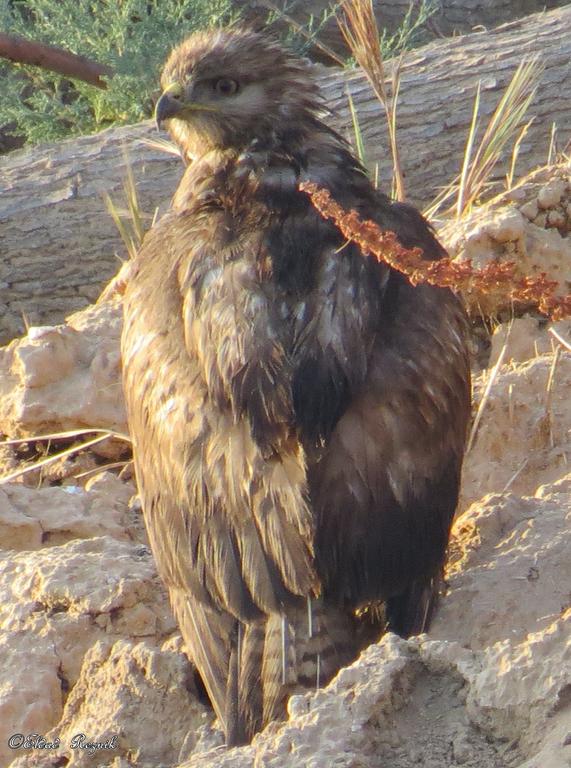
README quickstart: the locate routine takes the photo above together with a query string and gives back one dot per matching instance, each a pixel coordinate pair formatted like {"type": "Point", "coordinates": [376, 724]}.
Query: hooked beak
{"type": "Point", "coordinates": [173, 103]}
{"type": "Point", "coordinates": [170, 104]}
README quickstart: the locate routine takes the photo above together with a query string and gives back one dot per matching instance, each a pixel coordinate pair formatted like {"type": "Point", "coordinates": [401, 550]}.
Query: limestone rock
{"type": "Point", "coordinates": [529, 225]}
{"type": "Point", "coordinates": [64, 377]}
{"type": "Point", "coordinates": [523, 438]}
{"type": "Point", "coordinates": [514, 547]}
{"type": "Point", "coordinates": [525, 338]}
{"type": "Point", "coordinates": [35, 518]}
{"type": "Point", "coordinates": [57, 602]}
{"type": "Point", "coordinates": [142, 695]}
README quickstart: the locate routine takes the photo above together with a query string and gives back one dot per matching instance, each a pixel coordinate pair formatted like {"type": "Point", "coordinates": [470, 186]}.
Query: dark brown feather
{"type": "Point", "coordinates": [298, 410]}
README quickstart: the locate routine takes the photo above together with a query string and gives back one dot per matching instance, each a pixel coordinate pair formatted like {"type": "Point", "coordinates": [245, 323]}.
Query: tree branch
{"type": "Point", "coordinates": [23, 51]}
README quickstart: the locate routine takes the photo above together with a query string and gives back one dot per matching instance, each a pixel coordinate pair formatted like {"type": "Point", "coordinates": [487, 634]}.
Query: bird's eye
{"type": "Point", "coordinates": [225, 86]}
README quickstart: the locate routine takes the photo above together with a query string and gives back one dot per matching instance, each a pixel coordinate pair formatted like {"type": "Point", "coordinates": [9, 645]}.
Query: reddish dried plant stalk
{"type": "Point", "coordinates": [496, 278]}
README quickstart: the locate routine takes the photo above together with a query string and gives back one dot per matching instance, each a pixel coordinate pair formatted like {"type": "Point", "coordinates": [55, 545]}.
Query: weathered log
{"type": "Point", "coordinates": [451, 17]}
{"type": "Point", "coordinates": [59, 242]}
{"type": "Point", "coordinates": [463, 15]}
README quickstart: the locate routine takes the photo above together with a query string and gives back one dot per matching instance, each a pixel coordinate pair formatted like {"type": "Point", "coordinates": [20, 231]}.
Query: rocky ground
{"type": "Point", "coordinates": [89, 646]}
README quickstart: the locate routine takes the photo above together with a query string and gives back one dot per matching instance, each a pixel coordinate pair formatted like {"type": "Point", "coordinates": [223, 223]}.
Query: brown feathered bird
{"type": "Point", "coordinates": [298, 410]}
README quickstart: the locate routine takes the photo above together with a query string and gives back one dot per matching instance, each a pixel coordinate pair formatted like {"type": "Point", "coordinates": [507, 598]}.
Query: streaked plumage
{"type": "Point", "coordinates": [298, 410]}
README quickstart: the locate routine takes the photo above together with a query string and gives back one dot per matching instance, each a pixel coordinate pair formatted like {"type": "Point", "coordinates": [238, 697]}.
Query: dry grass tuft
{"type": "Point", "coordinates": [55, 438]}
{"type": "Point", "coordinates": [486, 394]}
{"type": "Point", "coordinates": [162, 145]}
{"type": "Point", "coordinates": [359, 28]}
{"type": "Point", "coordinates": [504, 126]}
{"type": "Point", "coordinates": [359, 144]}
{"type": "Point", "coordinates": [129, 218]}
{"type": "Point", "coordinates": [565, 344]}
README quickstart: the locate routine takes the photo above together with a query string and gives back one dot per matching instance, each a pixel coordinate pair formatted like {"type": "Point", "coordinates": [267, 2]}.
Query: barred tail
{"type": "Point", "coordinates": [284, 654]}
{"type": "Point", "coordinates": [251, 669]}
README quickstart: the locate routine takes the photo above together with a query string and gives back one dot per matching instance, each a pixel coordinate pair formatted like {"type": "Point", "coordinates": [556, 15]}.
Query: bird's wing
{"type": "Point", "coordinates": [220, 471]}
{"type": "Point", "coordinates": [224, 491]}
{"type": "Point", "coordinates": [393, 461]}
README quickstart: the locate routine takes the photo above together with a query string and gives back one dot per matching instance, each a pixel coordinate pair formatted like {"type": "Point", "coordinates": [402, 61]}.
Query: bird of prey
{"type": "Point", "coordinates": [298, 410]}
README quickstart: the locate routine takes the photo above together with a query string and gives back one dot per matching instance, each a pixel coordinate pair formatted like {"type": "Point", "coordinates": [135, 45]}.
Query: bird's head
{"type": "Point", "coordinates": [226, 88]}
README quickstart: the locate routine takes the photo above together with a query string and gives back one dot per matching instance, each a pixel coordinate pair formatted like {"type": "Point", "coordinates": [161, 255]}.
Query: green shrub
{"type": "Point", "coordinates": [131, 36]}
{"type": "Point", "coordinates": [412, 31]}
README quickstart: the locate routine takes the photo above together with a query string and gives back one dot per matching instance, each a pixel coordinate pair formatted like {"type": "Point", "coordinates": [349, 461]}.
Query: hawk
{"type": "Point", "coordinates": [298, 410]}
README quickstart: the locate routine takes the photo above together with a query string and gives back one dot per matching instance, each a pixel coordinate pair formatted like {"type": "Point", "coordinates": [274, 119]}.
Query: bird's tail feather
{"type": "Point", "coordinates": [250, 670]}
{"type": "Point", "coordinates": [207, 635]}
{"type": "Point", "coordinates": [410, 613]}
{"type": "Point", "coordinates": [285, 654]}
